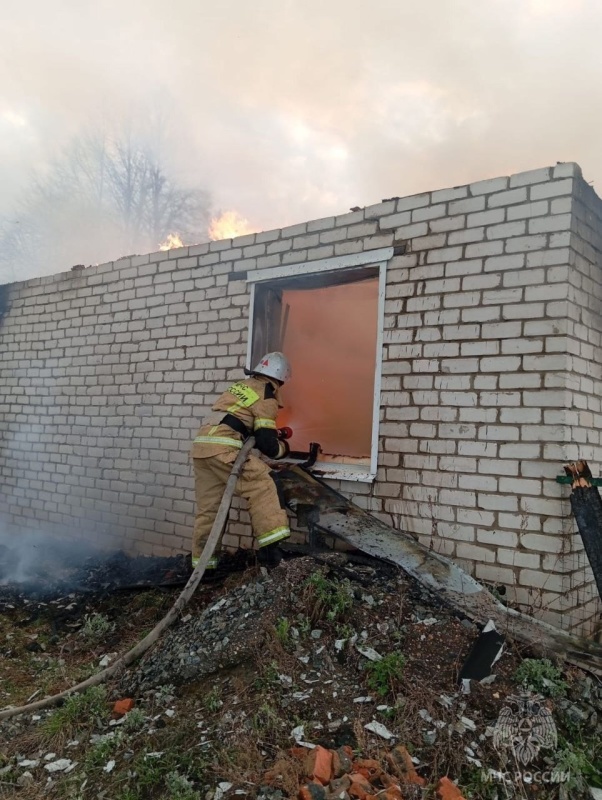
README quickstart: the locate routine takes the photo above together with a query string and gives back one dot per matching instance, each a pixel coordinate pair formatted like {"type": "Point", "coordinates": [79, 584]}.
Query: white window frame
{"type": "Point", "coordinates": [373, 258]}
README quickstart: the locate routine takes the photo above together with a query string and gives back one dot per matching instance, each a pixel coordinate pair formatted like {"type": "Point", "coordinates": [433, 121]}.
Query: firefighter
{"type": "Point", "coordinates": [248, 407]}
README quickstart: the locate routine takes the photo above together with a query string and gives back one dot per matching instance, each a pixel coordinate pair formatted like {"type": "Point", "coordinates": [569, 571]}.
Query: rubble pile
{"type": "Point", "coordinates": [332, 677]}
{"type": "Point", "coordinates": [340, 775]}
{"type": "Point", "coordinates": [223, 635]}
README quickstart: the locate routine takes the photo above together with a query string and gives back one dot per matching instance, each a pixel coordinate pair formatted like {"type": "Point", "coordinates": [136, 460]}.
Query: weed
{"type": "Point", "coordinates": [151, 599]}
{"type": "Point", "coordinates": [345, 631]}
{"type": "Point", "coordinates": [581, 772]}
{"type": "Point", "coordinates": [96, 627]}
{"type": "Point", "coordinates": [150, 772]}
{"type": "Point", "coordinates": [582, 759]}
{"type": "Point", "coordinates": [212, 700]}
{"type": "Point", "coordinates": [165, 694]}
{"type": "Point", "coordinates": [134, 720]}
{"type": "Point", "coordinates": [283, 631]}
{"type": "Point", "coordinates": [179, 787]}
{"type": "Point", "coordinates": [304, 625]}
{"type": "Point", "coordinates": [128, 794]}
{"type": "Point", "coordinates": [77, 711]}
{"type": "Point", "coordinates": [540, 675]}
{"type": "Point", "coordinates": [100, 752]}
{"type": "Point", "coordinates": [475, 786]}
{"type": "Point", "coordinates": [266, 721]}
{"type": "Point", "coordinates": [269, 676]}
{"type": "Point", "coordinates": [384, 675]}
{"type": "Point", "coordinates": [327, 598]}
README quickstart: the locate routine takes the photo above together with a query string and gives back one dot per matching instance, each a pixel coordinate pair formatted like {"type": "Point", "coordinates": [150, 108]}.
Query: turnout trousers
{"type": "Point", "coordinates": [255, 484]}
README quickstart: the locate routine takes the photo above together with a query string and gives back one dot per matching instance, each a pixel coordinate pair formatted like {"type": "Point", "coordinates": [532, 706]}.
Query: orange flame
{"type": "Point", "coordinates": [173, 240]}
{"type": "Point", "coordinates": [229, 225]}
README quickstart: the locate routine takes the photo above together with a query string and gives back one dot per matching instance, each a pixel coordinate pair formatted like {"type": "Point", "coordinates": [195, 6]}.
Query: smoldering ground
{"type": "Point", "coordinates": [31, 560]}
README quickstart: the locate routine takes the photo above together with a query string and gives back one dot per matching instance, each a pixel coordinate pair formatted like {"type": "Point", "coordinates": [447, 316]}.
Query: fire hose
{"type": "Point", "coordinates": [144, 644]}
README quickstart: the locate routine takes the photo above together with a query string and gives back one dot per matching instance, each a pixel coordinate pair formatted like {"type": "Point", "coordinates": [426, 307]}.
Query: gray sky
{"type": "Point", "coordinates": [287, 110]}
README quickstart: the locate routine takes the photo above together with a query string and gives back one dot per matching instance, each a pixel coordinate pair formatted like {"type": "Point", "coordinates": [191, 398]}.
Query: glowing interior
{"type": "Point", "coordinates": [329, 334]}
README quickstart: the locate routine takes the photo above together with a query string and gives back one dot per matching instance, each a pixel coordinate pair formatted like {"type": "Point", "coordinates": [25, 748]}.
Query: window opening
{"type": "Point", "coordinates": [329, 325]}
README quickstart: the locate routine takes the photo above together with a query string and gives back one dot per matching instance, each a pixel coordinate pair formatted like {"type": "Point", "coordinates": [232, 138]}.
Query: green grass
{"type": "Point", "coordinates": [77, 711]}
{"type": "Point", "coordinates": [385, 675]}
{"type": "Point", "coordinates": [283, 631]}
{"type": "Point", "coordinates": [540, 675]}
{"type": "Point", "coordinates": [96, 627]}
{"type": "Point", "coordinates": [326, 598]}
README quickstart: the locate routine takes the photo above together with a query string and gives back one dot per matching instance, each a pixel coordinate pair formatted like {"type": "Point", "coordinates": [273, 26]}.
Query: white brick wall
{"type": "Point", "coordinates": [492, 346]}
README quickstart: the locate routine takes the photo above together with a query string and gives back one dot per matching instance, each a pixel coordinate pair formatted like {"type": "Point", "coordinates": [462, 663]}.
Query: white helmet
{"type": "Point", "coordinates": [274, 365]}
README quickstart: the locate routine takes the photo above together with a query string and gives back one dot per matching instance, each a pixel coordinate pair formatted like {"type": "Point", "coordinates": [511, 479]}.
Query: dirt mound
{"type": "Point", "coordinates": [226, 633]}
{"type": "Point", "coordinates": [334, 651]}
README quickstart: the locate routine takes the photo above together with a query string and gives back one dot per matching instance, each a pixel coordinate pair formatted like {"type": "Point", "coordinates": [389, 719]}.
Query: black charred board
{"type": "Point", "coordinates": [587, 509]}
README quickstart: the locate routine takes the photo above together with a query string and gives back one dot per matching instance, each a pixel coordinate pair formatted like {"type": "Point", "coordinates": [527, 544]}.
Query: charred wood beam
{"type": "Point", "coordinates": [343, 519]}
{"type": "Point", "coordinates": [587, 510]}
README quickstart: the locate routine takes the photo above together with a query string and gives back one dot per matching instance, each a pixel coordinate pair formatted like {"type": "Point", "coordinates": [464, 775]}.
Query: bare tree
{"type": "Point", "coordinates": [106, 196]}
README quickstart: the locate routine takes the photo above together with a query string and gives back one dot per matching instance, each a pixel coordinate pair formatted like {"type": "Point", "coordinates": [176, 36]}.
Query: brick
{"type": "Point", "coordinates": [488, 186]}
{"type": "Point", "coordinates": [395, 220]}
{"type": "Point", "coordinates": [314, 791]}
{"type": "Point", "coordinates": [467, 206]}
{"type": "Point", "coordinates": [443, 195]}
{"type": "Point", "coordinates": [360, 786]}
{"type": "Point", "coordinates": [412, 231]}
{"type": "Point", "coordinates": [342, 759]}
{"type": "Point", "coordinates": [552, 189]}
{"type": "Point", "coordinates": [525, 243]}
{"type": "Point", "coordinates": [493, 217]}
{"type": "Point", "coordinates": [512, 196]}
{"type": "Point", "coordinates": [447, 790]}
{"type": "Point", "coordinates": [567, 169]}
{"type": "Point", "coordinates": [429, 212]}
{"type": "Point", "coordinates": [557, 222]}
{"type": "Point", "coordinates": [368, 767]}
{"type": "Point", "coordinates": [318, 765]}
{"type": "Point", "coordinates": [507, 229]}
{"type": "Point", "coordinates": [530, 176]}
{"type": "Point", "coordinates": [122, 707]}
{"type": "Point", "coordinates": [414, 201]}
{"type": "Point", "coordinates": [484, 249]}
{"type": "Point", "coordinates": [401, 764]}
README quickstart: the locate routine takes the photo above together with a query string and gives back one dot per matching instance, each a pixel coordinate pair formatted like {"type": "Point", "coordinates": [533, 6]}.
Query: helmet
{"type": "Point", "coordinates": [274, 365]}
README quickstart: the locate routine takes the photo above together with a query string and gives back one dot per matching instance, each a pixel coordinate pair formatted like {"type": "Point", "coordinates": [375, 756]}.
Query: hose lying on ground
{"type": "Point", "coordinates": [143, 645]}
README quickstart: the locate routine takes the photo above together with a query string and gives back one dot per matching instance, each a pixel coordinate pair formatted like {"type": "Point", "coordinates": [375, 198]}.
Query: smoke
{"type": "Point", "coordinates": [39, 560]}
{"type": "Point", "coordinates": [290, 111]}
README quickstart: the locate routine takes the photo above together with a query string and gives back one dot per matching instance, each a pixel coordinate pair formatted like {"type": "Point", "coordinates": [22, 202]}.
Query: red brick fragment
{"type": "Point", "coordinates": [387, 781]}
{"type": "Point", "coordinates": [122, 707]}
{"type": "Point", "coordinates": [318, 765]}
{"type": "Point", "coordinates": [447, 790]}
{"type": "Point", "coordinates": [298, 752]}
{"type": "Point", "coordinates": [368, 767]}
{"type": "Point", "coordinates": [312, 791]}
{"type": "Point", "coordinates": [360, 786]}
{"type": "Point", "coordinates": [402, 765]}
{"type": "Point", "coordinates": [342, 762]}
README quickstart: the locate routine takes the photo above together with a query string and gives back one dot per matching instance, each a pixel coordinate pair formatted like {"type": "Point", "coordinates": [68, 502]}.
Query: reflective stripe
{"type": "Point", "coordinates": [274, 536]}
{"type": "Point", "coordinates": [212, 563]}
{"type": "Point", "coordinates": [218, 440]}
{"type": "Point", "coordinates": [264, 423]}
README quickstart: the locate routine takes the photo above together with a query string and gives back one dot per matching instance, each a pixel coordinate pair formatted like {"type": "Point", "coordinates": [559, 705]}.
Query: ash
{"type": "Point", "coordinates": [59, 573]}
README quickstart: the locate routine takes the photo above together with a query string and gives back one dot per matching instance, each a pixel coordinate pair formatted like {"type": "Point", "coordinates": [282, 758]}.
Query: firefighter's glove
{"type": "Point", "coordinates": [283, 449]}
